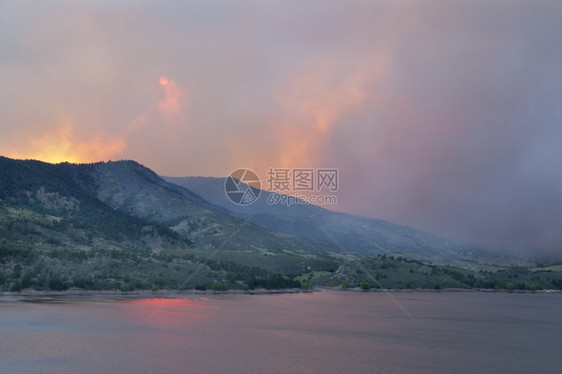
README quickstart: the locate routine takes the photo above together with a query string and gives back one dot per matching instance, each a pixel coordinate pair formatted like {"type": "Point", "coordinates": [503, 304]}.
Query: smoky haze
{"type": "Point", "coordinates": [463, 139]}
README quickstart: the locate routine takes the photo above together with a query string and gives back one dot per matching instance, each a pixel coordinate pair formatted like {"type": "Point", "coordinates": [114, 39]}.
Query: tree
{"type": "Point", "coordinates": [219, 286]}
{"type": "Point", "coordinates": [57, 284]}
{"type": "Point", "coordinates": [365, 286]}
{"type": "Point", "coordinates": [26, 280]}
{"type": "Point", "coordinates": [16, 287]}
{"type": "Point", "coordinates": [17, 271]}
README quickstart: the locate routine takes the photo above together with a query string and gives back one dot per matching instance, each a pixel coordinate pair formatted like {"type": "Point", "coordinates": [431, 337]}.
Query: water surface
{"type": "Point", "coordinates": [324, 332]}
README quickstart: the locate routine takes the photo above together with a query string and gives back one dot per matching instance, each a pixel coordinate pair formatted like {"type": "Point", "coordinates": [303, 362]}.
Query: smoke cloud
{"type": "Point", "coordinates": [442, 116]}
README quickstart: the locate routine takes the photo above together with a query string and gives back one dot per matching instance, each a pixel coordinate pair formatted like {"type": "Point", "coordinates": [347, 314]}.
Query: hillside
{"type": "Point", "coordinates": [365, 236]}
{"type": "Point", "coordinates": [108, 224]}
{"type": "Point", "coordinates": [118, 225]}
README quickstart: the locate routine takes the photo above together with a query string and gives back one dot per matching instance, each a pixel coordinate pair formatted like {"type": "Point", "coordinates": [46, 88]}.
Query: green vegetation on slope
{"type": "Point", "coordinates": [97, 269]}
{"type": "Point", "coordinates": [399, 272]}
{"type": "Point", "coordinates": [55, 234]}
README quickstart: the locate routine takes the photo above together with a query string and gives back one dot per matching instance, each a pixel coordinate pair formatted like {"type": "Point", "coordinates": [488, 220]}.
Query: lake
{"type": "Point", "coordinates": [320, 332]}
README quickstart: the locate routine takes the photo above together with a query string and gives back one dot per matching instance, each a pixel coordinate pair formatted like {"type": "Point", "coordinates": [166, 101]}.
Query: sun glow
{"type": "Point", "coordinates": [62, 144]}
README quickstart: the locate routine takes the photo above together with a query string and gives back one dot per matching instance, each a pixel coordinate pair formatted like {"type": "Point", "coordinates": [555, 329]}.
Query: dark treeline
{"type": "Point", "coordinates": [112, 269]}
{"type": "Point", "coordinates": [399, 272]}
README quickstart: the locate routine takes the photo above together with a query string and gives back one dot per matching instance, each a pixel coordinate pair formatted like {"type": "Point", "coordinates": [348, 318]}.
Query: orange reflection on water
{"type": "Point", "coordinates": [166, 312]}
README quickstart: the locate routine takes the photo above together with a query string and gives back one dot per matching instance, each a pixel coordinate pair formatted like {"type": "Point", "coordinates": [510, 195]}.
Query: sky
{"type": "Point", "coordinates": [445, 116]}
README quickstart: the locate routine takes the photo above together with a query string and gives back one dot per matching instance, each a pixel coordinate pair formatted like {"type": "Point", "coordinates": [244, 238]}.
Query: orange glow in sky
{"type": "Point", "coordinates": [170, 104]}
{"type": "Point", "coordinates": [61, 144]}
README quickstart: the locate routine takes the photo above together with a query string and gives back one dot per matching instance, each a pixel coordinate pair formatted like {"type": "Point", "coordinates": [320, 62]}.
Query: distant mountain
{"type": "Point", "coordinates": [354, 234]}
{"type": "Point", "coordinates": [131, 188]}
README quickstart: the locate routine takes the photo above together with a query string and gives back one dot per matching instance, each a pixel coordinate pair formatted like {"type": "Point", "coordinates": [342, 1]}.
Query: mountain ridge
{"type": "Point", "coordinates": [362, 235]}
{"type": "Point", "coordinates": [197, 209]}
{"type": "Point", "coordinates": [118, 225]}
{"type": "Point", "coordinates": [132, 192]}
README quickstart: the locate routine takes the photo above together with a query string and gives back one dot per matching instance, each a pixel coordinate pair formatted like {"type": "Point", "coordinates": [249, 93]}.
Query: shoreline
{"type": "Point", "coordinates": [170, 294]}
{"type": "Point", "coordinates": [116, 294]}
{"type": "Point", "coordinates": [443, 290]}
